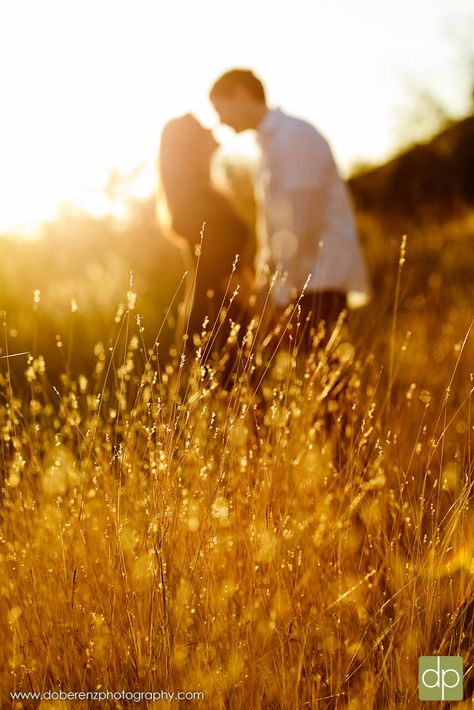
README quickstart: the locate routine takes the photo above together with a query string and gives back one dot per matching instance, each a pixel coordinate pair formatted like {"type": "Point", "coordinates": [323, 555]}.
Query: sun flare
{"type": "Point", "coordinates": [90, 85]}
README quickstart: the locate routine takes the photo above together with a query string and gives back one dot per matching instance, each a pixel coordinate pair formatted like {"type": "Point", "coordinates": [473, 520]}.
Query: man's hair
{"type": "Point", "coordinates": [226, 85]}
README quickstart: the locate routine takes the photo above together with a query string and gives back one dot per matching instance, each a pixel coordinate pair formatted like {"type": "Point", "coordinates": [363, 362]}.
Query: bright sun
{"type": "Point", "coordinates": [86, 87]}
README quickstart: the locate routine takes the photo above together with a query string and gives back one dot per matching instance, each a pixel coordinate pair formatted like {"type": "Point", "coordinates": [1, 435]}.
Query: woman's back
{"type": "Point", "coordinates": [202, 216]}
{"type": "Point", "coordinates": [216, 236]}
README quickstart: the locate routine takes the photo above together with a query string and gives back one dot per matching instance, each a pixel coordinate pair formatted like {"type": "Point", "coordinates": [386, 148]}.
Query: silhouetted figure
{"type": "Point", "coordinates": [310, 228]}
{"type": "Point", "coordinates": [184, 166]}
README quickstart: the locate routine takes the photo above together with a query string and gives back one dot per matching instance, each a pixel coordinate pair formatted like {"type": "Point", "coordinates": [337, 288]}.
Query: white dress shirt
{"type": "Point", "coordinates": [311, 237]}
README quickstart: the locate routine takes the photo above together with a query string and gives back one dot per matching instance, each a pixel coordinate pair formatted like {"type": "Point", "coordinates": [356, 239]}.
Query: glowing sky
{"type": "Point", "coordinates": [86, 85]}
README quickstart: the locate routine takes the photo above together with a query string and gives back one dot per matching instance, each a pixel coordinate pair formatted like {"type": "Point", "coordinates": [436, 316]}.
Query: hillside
{"type": "Point", "coordinates": [434, 179]}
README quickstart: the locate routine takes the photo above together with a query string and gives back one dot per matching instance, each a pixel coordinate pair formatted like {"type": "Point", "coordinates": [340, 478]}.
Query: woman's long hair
{"type": "Point", "coordinates": [182, 179]}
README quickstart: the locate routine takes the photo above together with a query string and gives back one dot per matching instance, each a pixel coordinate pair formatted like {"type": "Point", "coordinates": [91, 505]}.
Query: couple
{"type": "Point", "coordinates": [310, 236]}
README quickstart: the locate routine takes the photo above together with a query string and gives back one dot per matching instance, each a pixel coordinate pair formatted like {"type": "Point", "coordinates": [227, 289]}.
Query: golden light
{"type": "Point", "coordinates": [86, 87]}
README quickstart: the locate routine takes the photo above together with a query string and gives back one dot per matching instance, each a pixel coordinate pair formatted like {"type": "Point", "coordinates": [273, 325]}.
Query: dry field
{"type": "Point", "coordinates": [297, 542]}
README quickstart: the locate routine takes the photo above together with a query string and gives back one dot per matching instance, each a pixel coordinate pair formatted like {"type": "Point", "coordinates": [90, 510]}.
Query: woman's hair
{"type": "Point", "coordinates": [180, 165]}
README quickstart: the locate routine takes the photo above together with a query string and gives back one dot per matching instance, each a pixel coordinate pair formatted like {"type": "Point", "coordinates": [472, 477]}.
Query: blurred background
{"type": "Point", "coordinates": [86, 88]}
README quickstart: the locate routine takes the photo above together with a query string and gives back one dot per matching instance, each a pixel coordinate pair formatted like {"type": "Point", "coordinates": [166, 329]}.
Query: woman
{"type": "Point", "coordinates": [192, 201]}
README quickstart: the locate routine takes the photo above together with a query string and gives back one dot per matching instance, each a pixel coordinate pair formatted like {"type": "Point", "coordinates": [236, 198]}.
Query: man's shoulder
{"type": "Point", "coordinates": [299, 130]}
{"type": "Point", "coordinates": [297, 124]}
{"type": "Point", "coordinates": [297, 139]}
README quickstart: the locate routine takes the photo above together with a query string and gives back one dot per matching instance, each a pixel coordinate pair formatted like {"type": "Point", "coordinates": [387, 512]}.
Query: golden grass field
{"type": "Point", "coordinates": [297, 542]}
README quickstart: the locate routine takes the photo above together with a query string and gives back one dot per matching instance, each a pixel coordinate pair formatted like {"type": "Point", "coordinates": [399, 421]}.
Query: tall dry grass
{"type": "Point", "coordinates": [295, 542]}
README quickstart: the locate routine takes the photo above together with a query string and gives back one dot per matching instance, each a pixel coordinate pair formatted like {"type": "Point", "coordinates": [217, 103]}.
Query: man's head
{"type": "Point", "coordinates": [239, 99]}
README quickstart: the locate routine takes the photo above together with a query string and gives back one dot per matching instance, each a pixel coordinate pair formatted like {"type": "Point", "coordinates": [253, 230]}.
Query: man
{"type": "Point", "coordinates": [311, 234]}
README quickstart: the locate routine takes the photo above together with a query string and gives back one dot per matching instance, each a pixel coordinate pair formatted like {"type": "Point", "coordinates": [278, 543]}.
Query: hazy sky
{"type": "Point", "coordinates": [86, 85]}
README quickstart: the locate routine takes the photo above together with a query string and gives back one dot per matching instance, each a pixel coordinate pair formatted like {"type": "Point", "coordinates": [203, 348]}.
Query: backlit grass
{"type": "Point", "coordinates": [296, 541]}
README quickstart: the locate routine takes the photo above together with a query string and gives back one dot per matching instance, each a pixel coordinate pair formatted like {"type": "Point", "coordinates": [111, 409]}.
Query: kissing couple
{"type": "Point", "coordinates": [309, 237]}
